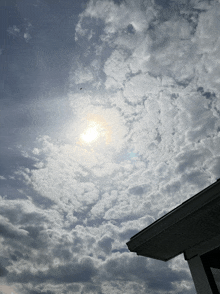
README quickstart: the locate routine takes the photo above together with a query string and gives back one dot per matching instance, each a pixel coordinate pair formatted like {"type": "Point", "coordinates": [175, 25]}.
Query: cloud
{"type": "Point", "coordinates": [27, 37]}
{"type": "Point", "coordinates": [17, 32]}
{"type": "Point", "coordinates": [83, 75]}
{"type": "Point", "coordinates": [3, 271]}
{"type": "Point", "coordinates": [9, 231]}
{"type": "Point", "coordinates": [7, 290]}
{"type": "Point", "coordinates": [106, 244]}
{"type": "Point", "coordinates": [139, 86]}
{"type": "Point", "coordinates": [140, 270]}
{"type": "Point", "coordinates": [77, 271]}
{"type": "Point", "coordinates": [13, 30]}
{"type": "Point", "coordinates": [216, 167]}
{"type": "Point", "coordinates": [149, 85]}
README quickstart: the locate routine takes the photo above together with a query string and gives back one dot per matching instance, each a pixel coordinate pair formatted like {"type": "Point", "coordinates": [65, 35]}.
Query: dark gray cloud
{"type": "Point", "coordinates": [77, 271]}
{"type": "Point", "coordinates": [3, 271]}
{"type": "Point", "coordinates": [131, 268]}
{"type": "Point", "coordinates": [9, 231]}
{"type": "Point", "coordinates": [106, 244]}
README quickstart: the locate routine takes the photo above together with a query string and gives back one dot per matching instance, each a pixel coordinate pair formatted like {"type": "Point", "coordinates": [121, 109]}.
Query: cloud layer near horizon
{"type": "Point", "coordinates": [151, 73]}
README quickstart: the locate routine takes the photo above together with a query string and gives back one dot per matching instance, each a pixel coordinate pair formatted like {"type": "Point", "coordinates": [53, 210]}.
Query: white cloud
{"type": "Point", "coordinates": [119, 17]}
{"type": "Point", "coordinates": [116, 69]}
{"type": "Point", "coordinates": [27, 37]}
{"type": "Point", "coordinates": [17, 32]}
{"type": "Point", "coordinates": [13, 30]}
{"type": "Point", "coordinates": [138, 87]}
{"type": "Point", "coordinates": [83, 75]}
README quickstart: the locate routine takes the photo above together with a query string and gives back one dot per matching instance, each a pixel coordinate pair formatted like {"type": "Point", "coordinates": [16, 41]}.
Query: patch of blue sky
{"type": "Point", "coordinates": [132, 155]}
{"type": "Point", "coordinates": [126, 155]}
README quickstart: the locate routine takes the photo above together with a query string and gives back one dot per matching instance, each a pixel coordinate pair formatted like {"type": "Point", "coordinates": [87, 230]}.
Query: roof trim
{"type": "Point", "coordinates": [139, 242]}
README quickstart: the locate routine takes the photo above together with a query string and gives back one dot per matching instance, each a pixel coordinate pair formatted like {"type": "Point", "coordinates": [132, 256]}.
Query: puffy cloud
{"type": "Point", "coordinates": [106, 244]}
{"type": "Point", "coordinates": [9, 231]}
{"type": "Point", "coordinates": [119, 17]}
{"type": "Point", "coordinates": [215, 166]}
{"type": "Point", "coordinates": [140, 270]}
{"type": "Point", "coordinates": [140, 86]}
{"type": "Point", "coordinates": [116, 69]}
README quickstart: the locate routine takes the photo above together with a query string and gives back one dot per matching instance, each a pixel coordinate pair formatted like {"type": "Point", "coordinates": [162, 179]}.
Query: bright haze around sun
{"type": "Point", "coordinates": [110, 118]}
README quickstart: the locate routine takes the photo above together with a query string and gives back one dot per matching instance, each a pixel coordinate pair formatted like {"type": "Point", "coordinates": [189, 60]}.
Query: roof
{"type": "Point", "coordinates": [194, 221]}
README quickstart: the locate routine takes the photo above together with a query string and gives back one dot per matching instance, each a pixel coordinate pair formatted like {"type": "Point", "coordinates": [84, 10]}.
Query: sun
{"type": "Point", "coordinates": [96, 130]}
{"type": "Point", "coordinates": [91, 134]}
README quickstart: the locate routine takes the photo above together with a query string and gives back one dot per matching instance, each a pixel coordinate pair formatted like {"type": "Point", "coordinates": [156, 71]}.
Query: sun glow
{"type": "Point", "coordinates": [96, 130]}
{"type": "Point", "coordinates": [91, 134]}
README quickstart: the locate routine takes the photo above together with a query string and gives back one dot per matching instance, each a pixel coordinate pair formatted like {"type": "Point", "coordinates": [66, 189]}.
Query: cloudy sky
{"type": "Point", "coordinates": [110, 118]}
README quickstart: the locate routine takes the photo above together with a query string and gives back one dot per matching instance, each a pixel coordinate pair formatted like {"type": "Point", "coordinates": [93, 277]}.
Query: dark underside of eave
{"type": "Point", "coordinates": [195, 228]}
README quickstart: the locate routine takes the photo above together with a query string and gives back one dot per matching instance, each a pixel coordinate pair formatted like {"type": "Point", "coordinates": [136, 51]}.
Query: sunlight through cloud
{"type": "Point", "coordinates": [91, 133]}
{"type": "Point", "coordinates": [96, 130]}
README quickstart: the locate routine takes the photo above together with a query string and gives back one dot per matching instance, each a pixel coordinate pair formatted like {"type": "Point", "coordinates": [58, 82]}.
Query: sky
{"type": "Point", "coordinates": [109, 118]}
